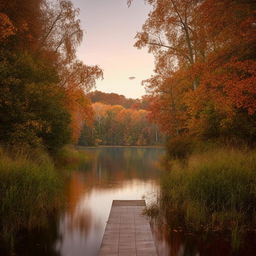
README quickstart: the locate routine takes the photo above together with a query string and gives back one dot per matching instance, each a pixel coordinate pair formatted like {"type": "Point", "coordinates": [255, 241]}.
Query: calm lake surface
{"type": "Point", "coordinates": [113, 173]}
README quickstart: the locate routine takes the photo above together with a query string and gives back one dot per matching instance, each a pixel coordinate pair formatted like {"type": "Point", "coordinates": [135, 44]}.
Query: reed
{"type": "Point", "coordinates": [30, 190]}
{"type": "Point", "coordinates": [212, 191]}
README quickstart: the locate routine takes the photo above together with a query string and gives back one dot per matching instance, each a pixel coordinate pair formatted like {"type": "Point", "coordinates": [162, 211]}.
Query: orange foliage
{"type": "Point", "coordinates": [80, 109]}
{"type": "Point", "coordinates": [205, 62]}
{"type": "Point", "coordinates": [78, 79]}
{"type": "Point", "coordinates": [6, 27]}
{"type": "Point", "coordinates": [116, 125]}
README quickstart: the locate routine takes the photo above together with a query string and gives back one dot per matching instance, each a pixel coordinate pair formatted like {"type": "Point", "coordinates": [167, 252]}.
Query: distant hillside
{"type": "Point", "coordinates": [117, 99]}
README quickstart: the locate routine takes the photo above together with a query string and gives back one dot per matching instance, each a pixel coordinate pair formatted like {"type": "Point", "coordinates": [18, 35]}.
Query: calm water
{"type": "Point", "coordinates": [113, 173]}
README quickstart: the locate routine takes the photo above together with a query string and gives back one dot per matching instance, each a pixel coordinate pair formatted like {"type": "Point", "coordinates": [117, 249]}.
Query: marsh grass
{"type": "Point", "coordinates": [30, 190]}
{"type": "Point", "coordinates": [213, 191]}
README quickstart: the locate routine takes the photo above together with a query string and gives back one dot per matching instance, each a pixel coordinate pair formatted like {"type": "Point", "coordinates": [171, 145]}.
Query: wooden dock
{"type": "Point", "coordinates": [127, 232]}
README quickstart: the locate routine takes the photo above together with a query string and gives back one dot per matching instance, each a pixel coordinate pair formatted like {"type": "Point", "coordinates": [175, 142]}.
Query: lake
{"type": "Point", "coordinates": [112, 173]}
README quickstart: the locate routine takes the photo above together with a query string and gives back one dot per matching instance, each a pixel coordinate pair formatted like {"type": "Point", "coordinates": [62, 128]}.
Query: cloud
{"type": "Point", "coordinates": [132, 77]}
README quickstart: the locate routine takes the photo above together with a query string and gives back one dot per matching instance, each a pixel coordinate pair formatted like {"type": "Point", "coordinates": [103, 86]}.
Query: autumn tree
{"type": "Point", "coordinates": [116, 99]}
{"type": "Point", "coordinates": [227, 78]}
{"type": "Point", "coordinates": [40, 38]}
{"type": "Point", "coordinates": [116, 125]}
{"type": "Point", "coordinates": [6, 27]}
{"type": "Point", "coordinates": [61, 32]}
{"type": "Point", "coordinates": [24, 19]}
{"type": "Point", "coordinates": [204, 82]}
{"type": "Point", "coordinates": [62, 35]}
{"type": "Point", "coordinates": [32, 109]}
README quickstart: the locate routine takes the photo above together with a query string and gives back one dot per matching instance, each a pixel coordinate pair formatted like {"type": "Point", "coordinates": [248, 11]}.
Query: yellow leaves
{"type": "Point", "coordinates": [77, 79]}
{"type": "Point", "coordinates": [6, 27]}
{"type": "Point", "coordinates": [80, 109]}
{"type": "Point", "coordinates": [120, 113]}
{"type": "Point", "coordinates": [62, 31]}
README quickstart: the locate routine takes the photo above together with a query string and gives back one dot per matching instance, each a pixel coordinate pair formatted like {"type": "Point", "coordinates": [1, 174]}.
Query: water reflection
{"type": "Point", "coordinates": [176, 242]}
{"type": "Point", "coordinates": [114, 173]}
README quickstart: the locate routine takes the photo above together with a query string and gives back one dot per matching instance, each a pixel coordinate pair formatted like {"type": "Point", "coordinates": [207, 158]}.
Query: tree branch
{"type": "Point", "coordinates": [171, 48]}
{"type": "Point", "coordinates": [51, 28]}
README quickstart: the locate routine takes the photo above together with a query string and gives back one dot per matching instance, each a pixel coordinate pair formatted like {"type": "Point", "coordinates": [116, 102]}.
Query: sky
{"type": "Point", "coordinates": [109, 30]}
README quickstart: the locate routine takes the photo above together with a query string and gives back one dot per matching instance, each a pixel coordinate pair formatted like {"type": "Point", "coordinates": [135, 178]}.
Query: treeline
{"type": "Point", "coordinates": [116, 125]}
{"type": "Point", "coordinates": [204, 86]}
{"type": "Point", "coordinates": [117, 99]}
{"type": "Point", "coordinates": [42, 83]}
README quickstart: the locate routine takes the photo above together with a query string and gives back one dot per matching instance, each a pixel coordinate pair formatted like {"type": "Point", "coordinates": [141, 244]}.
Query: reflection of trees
{"type": "Point", "coordinates": [77, 217]}
{"type": "Point", "coordinates": [172, 240]}
{"type": "Point", "coordinates": [166, 243]}
{"type": "Point", "coordinates": [38, 241]}
{"type": "Point", "coordinates": [108, 168]}
{"type": "Point", "coordinates": [114, 165]}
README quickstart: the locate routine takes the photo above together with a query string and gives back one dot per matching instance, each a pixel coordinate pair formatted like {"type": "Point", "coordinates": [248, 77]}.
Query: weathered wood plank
{"type": "Point", "coordinates": [127, 231]}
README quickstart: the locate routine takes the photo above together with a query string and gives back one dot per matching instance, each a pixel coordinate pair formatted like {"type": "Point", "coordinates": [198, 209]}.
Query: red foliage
{"type": "Point", "coordinates": [205, 62]}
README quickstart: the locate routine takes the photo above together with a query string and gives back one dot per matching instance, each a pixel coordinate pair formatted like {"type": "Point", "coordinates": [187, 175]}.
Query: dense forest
{"type": "Point", "coordinates": [43, 85]}
{"type": "Point", "coordinates": [117, 99]}
{"type": "Point", "coordinates": [119, 121]}
{"type": "Point", "coordinates": [204, 82]}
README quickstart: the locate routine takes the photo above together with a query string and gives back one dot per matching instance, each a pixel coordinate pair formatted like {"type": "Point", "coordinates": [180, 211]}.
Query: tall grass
{"type": "Point", "coordinates": [29, 191]}
{"type": "Point", "coordinates": [214, 190]}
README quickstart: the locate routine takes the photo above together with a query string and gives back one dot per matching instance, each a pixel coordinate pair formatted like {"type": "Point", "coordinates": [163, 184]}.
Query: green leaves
{"type": "Point", "coordinates": [32, 108]}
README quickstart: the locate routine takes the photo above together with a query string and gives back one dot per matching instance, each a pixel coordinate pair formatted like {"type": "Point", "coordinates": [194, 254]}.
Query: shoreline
{"type": "Point", "coordinates": [118, 146]}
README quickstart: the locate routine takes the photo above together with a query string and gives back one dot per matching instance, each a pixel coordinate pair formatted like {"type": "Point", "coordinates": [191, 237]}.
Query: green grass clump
{"type": "Point", "coordinates": [214, 190]}
{"type": "Point", "coordinates": [29, 191]}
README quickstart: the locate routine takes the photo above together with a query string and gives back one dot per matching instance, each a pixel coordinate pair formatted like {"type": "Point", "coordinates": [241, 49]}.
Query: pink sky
{"type": "Point", "coordinates": [110, 27]}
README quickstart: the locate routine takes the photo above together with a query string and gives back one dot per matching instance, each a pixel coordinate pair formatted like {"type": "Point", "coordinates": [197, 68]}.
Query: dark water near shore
{"type": "Point", "coordinates": [113, 173]}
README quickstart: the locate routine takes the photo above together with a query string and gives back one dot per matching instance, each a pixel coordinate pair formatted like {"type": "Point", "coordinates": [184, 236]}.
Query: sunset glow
{"type": "Point", "coordinates": [110, 27]}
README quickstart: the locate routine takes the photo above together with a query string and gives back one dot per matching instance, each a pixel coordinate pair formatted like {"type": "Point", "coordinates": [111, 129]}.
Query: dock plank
{"type": "Point", "coordinates": [127, 231]}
